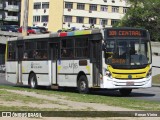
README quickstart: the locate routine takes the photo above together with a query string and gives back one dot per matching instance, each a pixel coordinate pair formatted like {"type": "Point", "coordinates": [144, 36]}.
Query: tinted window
{"type": "Point", "coordinates": [41, 50]}
{"type": "Point", "coordinates": [29, 50]}
{"type": "Point", "coordinates": [67, 50]}
{"type": "Point", "coordinates": [11, 51]}
{"type": "Point", "coordinates": [81, 47]}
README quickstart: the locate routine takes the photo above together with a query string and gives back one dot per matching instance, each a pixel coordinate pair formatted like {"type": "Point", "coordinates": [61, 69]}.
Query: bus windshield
{"type": "Point", "coordinates": [130, 52]}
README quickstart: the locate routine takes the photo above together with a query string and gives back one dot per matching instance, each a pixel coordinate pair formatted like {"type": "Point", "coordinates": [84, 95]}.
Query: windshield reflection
{"type": "Point", "coordinates": [127, 52]}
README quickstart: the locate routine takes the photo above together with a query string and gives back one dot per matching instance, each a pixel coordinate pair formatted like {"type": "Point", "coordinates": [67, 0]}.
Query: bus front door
{"type": "Point", "coordinates": [54, 57]}
{"type": "Point", "coordinates": [95, 53]}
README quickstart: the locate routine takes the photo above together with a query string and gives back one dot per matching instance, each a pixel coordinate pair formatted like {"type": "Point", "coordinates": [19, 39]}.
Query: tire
{"type": "Point", "coordinates": [125, 92]}
{"type": "Point", "coordinates": [33, 81]}
{"type": "Point", "coordinates": [83, 85]}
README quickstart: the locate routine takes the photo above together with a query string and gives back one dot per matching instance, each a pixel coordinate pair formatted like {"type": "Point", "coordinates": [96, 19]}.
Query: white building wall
{"type": "Point", "coordinates": [109, 2]}
{"type": "Point", "coordinates": [85, 13]}
{"type": "Point", "coordinates": [94, 14]}
{"type": "Point", "coordinates": [40, 12]}
{"type": "Point", "coordinates": [109, 15]}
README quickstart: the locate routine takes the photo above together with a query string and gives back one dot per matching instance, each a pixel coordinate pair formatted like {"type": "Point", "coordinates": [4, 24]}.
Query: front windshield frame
{"type": "Point", "coordinates": [141, 55]}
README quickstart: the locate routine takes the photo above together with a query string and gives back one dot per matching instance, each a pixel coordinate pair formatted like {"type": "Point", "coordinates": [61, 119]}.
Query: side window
{"type": "Point", "coordinates": [81, 47]}
{"type": "Point", "coordinates": [41, 51]}
{"type": "Point", "coordinates": [29, 50]}
{"type": "Point", "coordinates": [11, 51]}
{"type": "Point", "coordinates": [67, 50]}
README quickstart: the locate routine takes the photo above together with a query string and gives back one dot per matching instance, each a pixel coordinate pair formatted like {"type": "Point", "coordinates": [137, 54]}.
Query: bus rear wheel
{"type": "Point", "coordinates": [125, 92]}
{"type": "Point", "coordinates": [33, 81]}
{"type": "Point", "coordinates": [83, 84]}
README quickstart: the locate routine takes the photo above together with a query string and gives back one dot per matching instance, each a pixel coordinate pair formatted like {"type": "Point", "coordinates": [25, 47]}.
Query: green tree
{"type": "Point", "coordinates": [143, 14]}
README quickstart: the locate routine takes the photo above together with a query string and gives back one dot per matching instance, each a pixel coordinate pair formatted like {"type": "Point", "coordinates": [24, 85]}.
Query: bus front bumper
{"type": "Point", "coordinates": [112, 83]}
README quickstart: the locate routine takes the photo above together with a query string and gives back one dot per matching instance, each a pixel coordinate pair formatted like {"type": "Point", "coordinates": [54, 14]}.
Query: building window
{"type": "Point", "coordinates": [103, 21]}
{"type": "Point", "coordinates": [104, 8]}
{"type": "Point", "coordinates": [80, 19]}
{"type": "Point", "coordinates": [125, 10]}
{"type": "Point", "coordinates": [68, 5]}
{"type": "Point", "coordinates": [113, 1]}
{"type": "Point", "coordinates": [44, 18]}
{"type": "Point", "coordinates": [67, 18]}
{"type": "Point", "coordinates": [92, 20]}
{"type": "Point", "coordinates": [36, 18]}
{"type": "Point", "coordinates": [37, 5]}
{"type": "Point", "coordinates": [11, 2]}
{"type": "Point", "coordinates": [115, 9]}
{"type": "Point", "coordinates": [45, 5]}
{"type": "Point", "coordinates": [80, 6]}
{"type": "Point", "coordinates": [114, 21]}
{"type": "Point", "coordinates": [93, 7]}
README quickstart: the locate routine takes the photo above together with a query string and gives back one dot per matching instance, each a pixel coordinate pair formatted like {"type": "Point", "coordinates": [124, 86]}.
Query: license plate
{"type": "Point", "coordinates": [130, 83]}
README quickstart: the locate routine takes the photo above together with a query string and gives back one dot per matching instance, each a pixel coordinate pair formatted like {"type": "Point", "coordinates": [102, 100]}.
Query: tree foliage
{"type": "Point", "coordinates": [143, 14]}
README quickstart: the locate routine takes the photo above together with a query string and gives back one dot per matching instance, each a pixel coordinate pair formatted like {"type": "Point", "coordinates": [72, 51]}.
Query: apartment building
{"type": "Point", "coordinates": [80, 14]}
{"type": "Point", "coordinates": [10, 12]}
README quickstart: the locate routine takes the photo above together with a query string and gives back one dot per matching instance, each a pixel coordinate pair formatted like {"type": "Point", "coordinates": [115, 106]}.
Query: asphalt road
{"type": "Point", "coordinates": [3, 81]}
{"type": "Point", "coordinates": [152, 94]}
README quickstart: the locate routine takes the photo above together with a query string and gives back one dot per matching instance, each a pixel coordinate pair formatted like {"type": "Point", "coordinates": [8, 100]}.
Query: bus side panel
{"type": "Point", "coordinates": [25, 79]}
{"type": "Point", "coordinates": [11, 68]}
{"type": "Point", "coordinates": [43, 79]}
{"type": "Point", "coordinates": [40, 68]}
{"type": "Point", "coordinates": [86, 67]}
{"type": "Point", "coordinates": [66, 77]}
{"type": "Point", "coordinates": [67, 80]}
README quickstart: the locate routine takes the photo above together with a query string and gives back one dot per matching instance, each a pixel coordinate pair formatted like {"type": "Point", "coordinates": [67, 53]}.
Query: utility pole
{"type": "Point", "coordinates": [25, 18]}
{"type": "Point", "coordinates": [24, 33]}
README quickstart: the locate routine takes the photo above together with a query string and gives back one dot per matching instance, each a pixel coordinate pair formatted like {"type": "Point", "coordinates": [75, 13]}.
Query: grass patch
{"type": "Point", "coordinates": [108, 100]}
{"type": "Point", "coordinates": [64, 113]}
{"type": "Point", "coordinates": [9, 96]}
{"type": "Point", "coordinates": [25, 108]}
{"type": "Point", "coordinates": [156, 79]}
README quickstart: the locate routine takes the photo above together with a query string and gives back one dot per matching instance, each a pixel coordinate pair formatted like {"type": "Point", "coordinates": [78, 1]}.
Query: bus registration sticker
{"type": "Point", "coordinates": [130, 83]}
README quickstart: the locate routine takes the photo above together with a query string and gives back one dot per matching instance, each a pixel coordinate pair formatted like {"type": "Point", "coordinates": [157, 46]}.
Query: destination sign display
{"type": "Point", "coordinates": [126, 33]}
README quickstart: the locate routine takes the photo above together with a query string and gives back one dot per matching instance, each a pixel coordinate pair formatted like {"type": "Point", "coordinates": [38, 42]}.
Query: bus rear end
{"type": "Point", "coordinates": [126, 59]}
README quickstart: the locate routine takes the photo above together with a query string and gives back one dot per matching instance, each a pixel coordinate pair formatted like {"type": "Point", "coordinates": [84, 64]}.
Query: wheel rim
{"type": "Point", "coordinates": [82, 85]}
{"type": "Point", "coordinates": [32, 82]}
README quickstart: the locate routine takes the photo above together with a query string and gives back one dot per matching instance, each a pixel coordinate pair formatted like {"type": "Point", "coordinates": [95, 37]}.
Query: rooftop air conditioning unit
{"type": "Point", "coordinates": [113, 1]}
{"type": "Point", "coordinates": [69, 9]}
{"type": "Point", "coordinates": [44, 10]}
{"type": "Point", "coordinates": [90, 11]}
{"type": "Point", "coordinates": [105, 0]}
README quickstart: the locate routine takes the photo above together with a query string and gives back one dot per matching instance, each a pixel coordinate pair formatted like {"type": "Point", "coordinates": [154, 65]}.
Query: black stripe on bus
{"type": "Point", "coordinates": [11, 72]}
{"type": "Point", "coordinates": [37, 73]}
{"type": "Point", "coordinates": [71, 74]}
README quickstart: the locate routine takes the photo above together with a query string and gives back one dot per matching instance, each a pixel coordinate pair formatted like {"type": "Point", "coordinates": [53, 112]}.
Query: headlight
{"type": "Point", "coordinates": [108, 73]}
{"type": "Point", "coordinates": [149, 73]}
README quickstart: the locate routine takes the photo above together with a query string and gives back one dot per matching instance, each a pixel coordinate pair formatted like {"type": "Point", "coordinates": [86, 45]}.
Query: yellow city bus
{"type": "Point", "coordinates": [113, 58]}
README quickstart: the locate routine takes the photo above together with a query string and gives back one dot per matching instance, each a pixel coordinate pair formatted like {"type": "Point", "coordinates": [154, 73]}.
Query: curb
{"type": "Point", "coordinates": [155, 85]}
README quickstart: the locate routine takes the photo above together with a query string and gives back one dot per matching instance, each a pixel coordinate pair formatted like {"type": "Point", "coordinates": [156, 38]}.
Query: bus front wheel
{"type": "Point", "coordinates": [83, 84]}
{"type": "Point", "coordinates": [33, 81]}
{"type": "Point", "coordinates": [125, 92]}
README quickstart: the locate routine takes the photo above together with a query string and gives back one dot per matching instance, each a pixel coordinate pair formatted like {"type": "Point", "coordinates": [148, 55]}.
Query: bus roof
{"type": "Point", "coordinates": [56, 34]}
